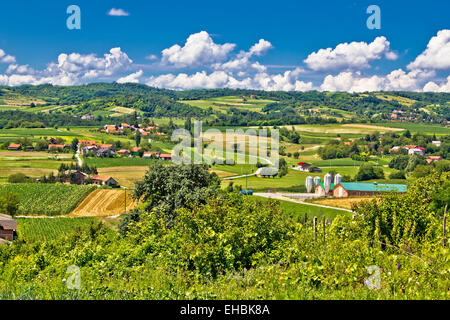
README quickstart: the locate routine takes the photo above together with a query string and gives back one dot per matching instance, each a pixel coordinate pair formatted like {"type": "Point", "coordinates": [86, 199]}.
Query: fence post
{"type": "Point", "coordinates": [306, 218]}
{"type": "Point", "coordinates": [444, 225]}
{"type": "Point", "coordinates": [315, 228]}
{"type": "Point", "coordinates": [324, 239]}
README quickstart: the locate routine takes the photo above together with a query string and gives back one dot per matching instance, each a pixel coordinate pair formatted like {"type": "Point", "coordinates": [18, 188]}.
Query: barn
{"type": "Point", "coordinates": [354, 189]}
{"type": "Point", "coordinates": [320, 190]}
{"type": "Point", "coordinates": [8, 227]}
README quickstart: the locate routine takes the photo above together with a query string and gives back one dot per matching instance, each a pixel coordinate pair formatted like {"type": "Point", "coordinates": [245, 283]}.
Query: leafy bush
{"type": "Point", "coordinates": [397, 175]}
{"type": "Point", "coordinates": [228, 233]}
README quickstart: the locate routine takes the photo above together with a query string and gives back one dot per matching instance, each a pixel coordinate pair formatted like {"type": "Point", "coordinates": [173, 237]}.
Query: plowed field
{"type": "Point", "coordinates": [102, 203]}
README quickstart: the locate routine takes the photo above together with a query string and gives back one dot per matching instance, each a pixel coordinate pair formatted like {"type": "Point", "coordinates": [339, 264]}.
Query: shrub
{"type": "Point", "coordinates": [398, 175]}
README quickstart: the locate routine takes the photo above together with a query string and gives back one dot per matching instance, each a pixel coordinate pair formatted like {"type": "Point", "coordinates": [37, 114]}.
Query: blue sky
{"type": "Point", "coordinates": [33, 35]}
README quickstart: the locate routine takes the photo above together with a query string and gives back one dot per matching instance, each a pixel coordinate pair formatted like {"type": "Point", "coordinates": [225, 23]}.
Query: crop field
{"type": "Point", "coordinates": [345, 203]}
{"type": "Point", "coordinates": [125, 176]}
{"type": "Point", "coordinates": [104, 202]}
{"type": "Point", "coordinates": [45, 229]}
{"type": "Point", "coordinates": [47, 199]}
{"type": "Point", "coordinates": [119, 162]}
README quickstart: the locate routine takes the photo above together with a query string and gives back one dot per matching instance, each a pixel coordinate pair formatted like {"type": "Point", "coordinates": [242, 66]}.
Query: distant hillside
{"type": "Point", "coordinates": [113, 99]}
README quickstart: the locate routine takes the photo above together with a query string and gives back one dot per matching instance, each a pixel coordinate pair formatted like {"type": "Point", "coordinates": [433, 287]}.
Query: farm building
{"type": "Point", "coordinates": [8, 227]}
{"type": "Point", "coordinates": [320, 190]}
{"type": "Point", "coordinates": [267, 172]}
{"type": "Point", "coordinates": [354, 189]}
{"type": "Point", "coordinates": [14, 147]}
{"type": "Point", "coordinates": [303, 166]}
{"type": "Point", "coordinates": [104, 181]}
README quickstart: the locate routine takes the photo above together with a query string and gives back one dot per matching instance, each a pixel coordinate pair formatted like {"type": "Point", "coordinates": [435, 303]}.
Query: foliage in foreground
{"type": "Point", "coordinates": [235, 248]}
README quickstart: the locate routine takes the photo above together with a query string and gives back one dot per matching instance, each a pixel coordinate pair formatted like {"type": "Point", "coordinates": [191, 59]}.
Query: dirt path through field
{"type": "Point", "coordinates": [102, 203]}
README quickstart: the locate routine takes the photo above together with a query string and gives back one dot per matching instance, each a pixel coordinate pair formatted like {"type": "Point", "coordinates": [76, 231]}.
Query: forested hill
{"type": "Point", "coordinates": [280, 107]}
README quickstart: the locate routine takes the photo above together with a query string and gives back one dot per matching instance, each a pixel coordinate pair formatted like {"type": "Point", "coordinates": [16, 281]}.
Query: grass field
{"type": "Point", "coordinates": [417, 127]}
{"type": "Point", "coordinates": [297, 211]}
{"type": "Point", "coordinates": [47, 199]}
{"type": "Point", "coordinates": [223, 103]}
{"type": "Point", "coordinates": [45, 229]}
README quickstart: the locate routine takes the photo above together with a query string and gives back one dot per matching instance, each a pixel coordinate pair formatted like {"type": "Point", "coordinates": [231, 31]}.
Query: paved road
{"type": "Point", "coordinates": [80, 161]}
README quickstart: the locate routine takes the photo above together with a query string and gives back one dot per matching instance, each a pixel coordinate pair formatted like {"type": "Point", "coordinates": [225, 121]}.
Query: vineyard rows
{"type": "Point", "coordinates": [47, 199]}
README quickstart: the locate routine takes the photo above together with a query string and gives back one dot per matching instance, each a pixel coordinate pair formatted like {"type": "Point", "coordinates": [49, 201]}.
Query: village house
{"type": "Point", "coordinates": [87, 143]}
{"type": "Point", "coordinates": [150, 154]}
{"type": "Point", "coordinates": [355, 189]}
{"type": "Point", "coordinates": [111, 129]}
{"type": "Point", "coordinates": [394, 149]}
{"type": "Point", "coordinates": [8, 227]}
{"type": "Point", "coordinates": [431, 159]}
{"type": "Point", "coordinates": [104, 181]}
{"type": "Point", "coordinates": [123, 152]}
{"type": "Point", "coordinates": [420, 151]}
{"type": "Point", "coordinates": [14, 147]}
{"type": "Point", "coordinates": [86, 150]}
{"type": "Point", "coordinates": [76, 177]}
{"type": "Point", "coordinates": [437, 143]}
{"type": "Point", "coordinates": [167, 157]}
{"type": "Point", "coordinates": [135, 151]}
{"type": "Point", "coordinates": [106, 146]}
{"type": "Point", "coordinates": [88, 117]}
{"type": "Point", "coordinates": [56, 147]}
{"type": "Point", "coordinates": [103, 152]}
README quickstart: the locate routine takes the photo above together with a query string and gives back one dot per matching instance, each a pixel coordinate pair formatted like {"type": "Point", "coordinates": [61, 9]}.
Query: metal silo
{"type": "Point", "coordinates": [316, 181]}
{"type": "Point", "coordinates": [327, 182]}
{"type": "Point", "coordinates": [337, 179]}
{"type": "Point", "coordinates": [309, 184]}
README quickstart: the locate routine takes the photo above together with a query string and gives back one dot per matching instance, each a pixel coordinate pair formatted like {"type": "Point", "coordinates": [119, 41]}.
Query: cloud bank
{"type": "Point", "coordinates": [201, 62]}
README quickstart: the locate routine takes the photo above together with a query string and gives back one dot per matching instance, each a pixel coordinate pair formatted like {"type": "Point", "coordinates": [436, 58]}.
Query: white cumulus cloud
{"type": "Point", "coordinates": [433, 87]}
{"type": "Point", "coordinates": [131, 78]}
{"type": "Point", "coordinates": [199, 50]}
{"type": "Point", "coordinates": [118, 13]}
{"type": "Point", "coordinates": [354, 55]}
{"type": "Point", "coordinates": [6, 58]}
{"type": "Point", "coordinates": [437, 54]}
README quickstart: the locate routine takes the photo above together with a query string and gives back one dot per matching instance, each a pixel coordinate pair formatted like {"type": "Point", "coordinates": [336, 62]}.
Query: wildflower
{"type": "Point", "coordinates": [398, 266]}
